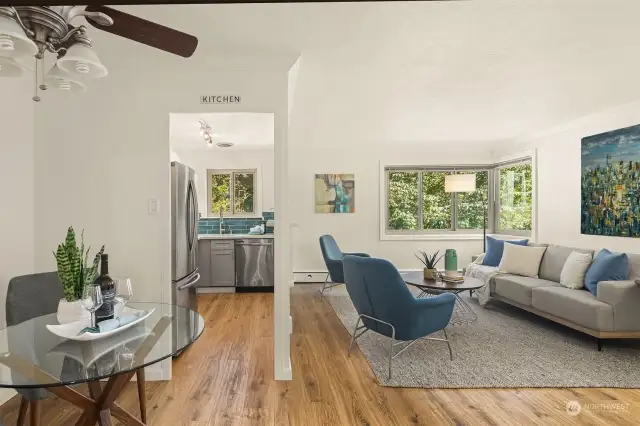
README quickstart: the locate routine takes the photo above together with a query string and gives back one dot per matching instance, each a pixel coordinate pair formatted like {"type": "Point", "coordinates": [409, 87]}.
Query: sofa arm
{"type": "Point", "coordinates": [477, 259]}
{"type": "Point", "coordinates": [624, 297]}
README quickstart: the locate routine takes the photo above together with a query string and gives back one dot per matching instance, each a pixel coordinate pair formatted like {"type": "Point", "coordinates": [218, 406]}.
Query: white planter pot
{"type": "Point", "coordinates": [71, 311]}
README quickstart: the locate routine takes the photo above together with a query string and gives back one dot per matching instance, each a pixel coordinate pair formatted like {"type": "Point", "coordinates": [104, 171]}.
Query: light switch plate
{"type": "Point", "coordinates": [153, 205]}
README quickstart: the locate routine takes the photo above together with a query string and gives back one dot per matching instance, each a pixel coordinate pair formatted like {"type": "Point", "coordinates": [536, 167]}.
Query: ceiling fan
{"type": "Point", "coordinates": [30, 31]}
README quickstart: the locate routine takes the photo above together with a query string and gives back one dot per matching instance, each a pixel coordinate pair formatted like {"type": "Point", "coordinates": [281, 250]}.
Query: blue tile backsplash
{"type": "Point", "coordinates": [235, 225]}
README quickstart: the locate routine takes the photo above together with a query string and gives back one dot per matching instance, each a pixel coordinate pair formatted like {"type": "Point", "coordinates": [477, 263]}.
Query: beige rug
{"type": "Point", "coordinates": [505, 348]}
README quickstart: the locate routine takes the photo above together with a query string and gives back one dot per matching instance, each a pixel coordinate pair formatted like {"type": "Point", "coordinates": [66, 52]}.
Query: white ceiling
{"type": "Point", "coordinates": [481, 70]}
{"type": "Point", "coordinates": [247, 131]}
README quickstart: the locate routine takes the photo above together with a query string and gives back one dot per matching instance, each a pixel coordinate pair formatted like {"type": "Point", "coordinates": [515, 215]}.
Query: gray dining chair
{"type": "Point", "coordinates": [31, 296]}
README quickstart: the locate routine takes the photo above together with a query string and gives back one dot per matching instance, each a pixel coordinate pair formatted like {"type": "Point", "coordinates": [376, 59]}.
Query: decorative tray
{"type": "Point", "coordinates": [73, 330]}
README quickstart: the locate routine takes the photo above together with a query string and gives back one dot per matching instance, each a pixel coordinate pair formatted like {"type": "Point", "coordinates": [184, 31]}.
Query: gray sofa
{"type": "Point", "coordinates": [613, 314]}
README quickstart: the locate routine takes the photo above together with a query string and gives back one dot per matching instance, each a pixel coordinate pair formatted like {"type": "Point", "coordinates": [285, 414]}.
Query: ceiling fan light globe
{"type": "Point", "coordinates": [13, 41]}
{"type": "Point", "coordinates": [62, 80]}
{"type": "Point", "coordinates": [82, 60]}
{"type": "Point", "coordinates": [9, 68]}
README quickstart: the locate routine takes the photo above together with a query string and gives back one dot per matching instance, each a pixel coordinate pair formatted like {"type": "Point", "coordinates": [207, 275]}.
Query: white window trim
{"type": "Point", "coordinates": [257, 196]}
{"type": "Point", "coordinates": [460, 235]}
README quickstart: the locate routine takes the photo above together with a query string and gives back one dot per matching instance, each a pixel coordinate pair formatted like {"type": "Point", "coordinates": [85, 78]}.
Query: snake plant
{"type": "Point", "coordinates": [73, 269]}
{"type": "Point", "coordinates": [429, 260]}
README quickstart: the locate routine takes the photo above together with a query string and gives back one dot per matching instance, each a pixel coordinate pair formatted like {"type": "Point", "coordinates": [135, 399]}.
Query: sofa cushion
{"type": "Point", "coordinates": [517, 288]}
{"type": "Point", "coordinates": [606, 266]}
{"type": "Point", "coordinates": [574, 270]}
{"type": "Point", "coordinates": [521, 260]}
{"type": "Point", "coordinates": [578, 306]}
{"type": "Point", "coordinates": [495, 247]}
{"type": "Point", "coordinates": [554, 259]}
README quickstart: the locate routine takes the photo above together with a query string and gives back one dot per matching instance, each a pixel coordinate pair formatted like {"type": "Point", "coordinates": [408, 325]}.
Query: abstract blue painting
{"type": "Point", "coordinates": [611, 183]}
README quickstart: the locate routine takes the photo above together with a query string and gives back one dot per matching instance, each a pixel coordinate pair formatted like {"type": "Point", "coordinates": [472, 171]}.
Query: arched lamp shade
{"type": "Point", "coordinates": [9, 68]}
{"type": "Point", "coordinates": [62, 80]}
{"type": "Point", "coordinates": [81, 60]}
{"type": "Point", "coordinates": [13, 41]}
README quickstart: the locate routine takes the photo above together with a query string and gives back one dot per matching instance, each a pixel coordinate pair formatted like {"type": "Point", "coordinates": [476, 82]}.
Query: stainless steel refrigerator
{"type": "Point", "coordinates": [184, 236]}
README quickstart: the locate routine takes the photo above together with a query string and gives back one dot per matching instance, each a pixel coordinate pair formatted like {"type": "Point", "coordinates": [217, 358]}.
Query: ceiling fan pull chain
{"type": "Point", "coordinates": [42, 85]}
{"type": "Point", "coordinates": [36, 98]}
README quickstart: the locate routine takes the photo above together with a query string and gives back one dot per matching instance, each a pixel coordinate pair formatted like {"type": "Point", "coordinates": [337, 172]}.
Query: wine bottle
{"type": "Point", "coordinates": [108, 289]}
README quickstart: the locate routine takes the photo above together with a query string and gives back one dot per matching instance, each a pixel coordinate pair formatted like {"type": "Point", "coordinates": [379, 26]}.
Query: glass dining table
{"type": "Point", "coordinates": [38, 358]}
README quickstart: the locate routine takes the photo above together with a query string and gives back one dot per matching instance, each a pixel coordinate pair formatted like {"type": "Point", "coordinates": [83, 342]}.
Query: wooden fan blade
{"type": "Point", "coordinates": [146, 32]}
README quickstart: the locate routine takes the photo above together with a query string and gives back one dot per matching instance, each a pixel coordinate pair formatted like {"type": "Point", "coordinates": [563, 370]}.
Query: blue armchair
{"type": "Point", "coordinates": [333, 259]}
{"type": "Point", "coordinates": [386, 306]}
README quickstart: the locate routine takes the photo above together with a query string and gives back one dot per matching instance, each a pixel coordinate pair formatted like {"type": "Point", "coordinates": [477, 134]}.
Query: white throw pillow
{"type": "Point", "coordinates": [521, 260]}
{"type": "Point", "coordinates": [574, 270]}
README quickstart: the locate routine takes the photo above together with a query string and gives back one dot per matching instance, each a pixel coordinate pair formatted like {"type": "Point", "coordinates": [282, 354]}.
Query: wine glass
{"type": "Point", "coordinates": [123, 291]}
{"type": "Point", "coordinates": [92, 300]}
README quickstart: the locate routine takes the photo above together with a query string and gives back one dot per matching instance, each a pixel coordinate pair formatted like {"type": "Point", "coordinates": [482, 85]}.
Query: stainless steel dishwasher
{"type": "Point", "coordinates": [254, 264]}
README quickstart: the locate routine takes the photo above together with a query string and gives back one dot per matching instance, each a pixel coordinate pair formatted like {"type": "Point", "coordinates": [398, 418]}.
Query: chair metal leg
{"type": "Point", "coordinates": [353, 336]}
{"type": "Point", "coordinates": [324, 286]}
{"type": "Point", "coordinates": [393, 338]}
{"type": "Point", "coordinates": [328, 285]}
{"type": "Point", "coordinates": [24, 405]}
{"type": "Point", "coordinates": [407, 346]}
{"type": "Point", "coordinates": [448, 344]}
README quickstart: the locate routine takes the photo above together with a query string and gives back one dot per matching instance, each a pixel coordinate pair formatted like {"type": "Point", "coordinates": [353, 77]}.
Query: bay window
{"type": "Point", "coordinates": [417, 203]}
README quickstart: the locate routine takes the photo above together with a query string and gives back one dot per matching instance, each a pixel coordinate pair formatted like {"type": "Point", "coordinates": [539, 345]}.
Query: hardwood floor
{"type": "Point", "coordinates": [225, 378]}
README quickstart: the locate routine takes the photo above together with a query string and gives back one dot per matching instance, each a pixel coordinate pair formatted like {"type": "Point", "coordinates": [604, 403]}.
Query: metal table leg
{"type": "Point", "coordinates": [462, 312]}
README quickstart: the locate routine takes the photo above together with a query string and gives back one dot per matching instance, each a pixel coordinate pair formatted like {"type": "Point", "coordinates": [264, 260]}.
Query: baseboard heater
{"type": "Point", "coordinates": [320, 276]}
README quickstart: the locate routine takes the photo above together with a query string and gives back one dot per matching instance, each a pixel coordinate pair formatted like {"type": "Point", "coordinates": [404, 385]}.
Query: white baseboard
{"type": "Point", "coordinates": [309, 277]}
{"type": "Point", "coordinates": [319, 276]}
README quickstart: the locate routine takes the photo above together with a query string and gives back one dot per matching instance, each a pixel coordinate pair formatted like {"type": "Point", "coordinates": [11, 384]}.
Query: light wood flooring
{"type": "Point", "coordinates": [225, 378]}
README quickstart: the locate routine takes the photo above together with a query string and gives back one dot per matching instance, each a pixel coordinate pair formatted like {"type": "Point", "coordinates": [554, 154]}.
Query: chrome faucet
{"type": "Point", "coordinates": [221, 221]}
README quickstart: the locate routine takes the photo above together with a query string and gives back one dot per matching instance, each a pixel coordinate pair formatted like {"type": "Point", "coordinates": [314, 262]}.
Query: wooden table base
{"type": "Point", "coordinates": [101, 405]}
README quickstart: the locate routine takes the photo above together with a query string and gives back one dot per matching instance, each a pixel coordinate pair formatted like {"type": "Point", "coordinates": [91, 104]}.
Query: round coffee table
{"type": "Point", "coordinates": [462, 313]}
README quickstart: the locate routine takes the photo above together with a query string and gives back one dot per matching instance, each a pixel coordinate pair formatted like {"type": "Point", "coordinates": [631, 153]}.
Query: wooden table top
{"type": "Point", "coordinates": [417, 279]}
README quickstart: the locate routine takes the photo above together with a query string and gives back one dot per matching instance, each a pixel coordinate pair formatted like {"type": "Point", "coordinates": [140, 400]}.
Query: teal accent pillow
{"type": "Point", "coordinates": [607, 266]}
{"type": "Point", "coordinates": [495, 247]}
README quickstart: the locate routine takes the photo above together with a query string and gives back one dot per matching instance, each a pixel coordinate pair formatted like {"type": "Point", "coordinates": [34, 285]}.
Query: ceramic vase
{"type": "Point", "coordinates": [71, 311]}
{"type": "Point", "coordinates": [430, 274]}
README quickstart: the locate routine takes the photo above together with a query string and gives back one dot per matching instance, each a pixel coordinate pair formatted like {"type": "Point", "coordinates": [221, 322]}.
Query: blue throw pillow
{"type": "Point", "coordinates": [495, 247]}
{"type": "Point", "coordinates": [606, 266]}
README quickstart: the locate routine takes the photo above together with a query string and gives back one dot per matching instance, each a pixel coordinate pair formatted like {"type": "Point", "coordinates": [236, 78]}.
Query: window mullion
{"type": "Point", "coordinates": [232, 192]}
{"type": "Point", "coordinates": [420, 200]}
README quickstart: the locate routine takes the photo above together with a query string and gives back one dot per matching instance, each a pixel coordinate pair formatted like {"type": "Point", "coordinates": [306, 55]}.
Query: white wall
{"type": "Point", "coordinates": [102, 155]}
{"type": "Point", "coordinates": [559, 163]}
{"type": "Point", "coordinates": [173, 156]}
{"type": "Point", "coordinates": [353, 133]}
{"type": "Point", "coordinates": [262, 160]}
{"type": "Point", "coordinates": [16, 183]}
{"type": "Point", "coordinates": [16, 189]}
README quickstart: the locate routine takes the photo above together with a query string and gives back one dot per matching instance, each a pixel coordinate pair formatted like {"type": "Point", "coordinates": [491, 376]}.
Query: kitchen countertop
{"type": "Point", "coordinates": [232, 236]}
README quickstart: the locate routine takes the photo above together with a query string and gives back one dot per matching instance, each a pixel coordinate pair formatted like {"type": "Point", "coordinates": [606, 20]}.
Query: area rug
{"type": "Point", "coordinates": [505, 348]}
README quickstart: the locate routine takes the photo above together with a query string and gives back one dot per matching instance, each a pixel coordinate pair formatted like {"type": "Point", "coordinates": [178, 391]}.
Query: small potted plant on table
{"type": "Point", "coordinates": [429, 262]}
{"type": "Point", "coordinates": [74, 273]}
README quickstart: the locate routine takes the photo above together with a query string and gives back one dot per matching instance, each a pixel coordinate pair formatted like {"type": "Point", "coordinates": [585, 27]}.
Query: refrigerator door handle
{"type": "Point", "coordinates": [189, 217]}
{"type": "Point", "coordinates": [189, 281]}
{"type": "Point", "coordinates": [196, 219]}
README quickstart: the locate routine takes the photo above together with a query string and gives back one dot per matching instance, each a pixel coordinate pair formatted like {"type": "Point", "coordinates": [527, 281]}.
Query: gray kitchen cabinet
{"type": "Point", "coordinates": [204, 263]}
{"type": "Point", "coordinates": [223, 267]}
